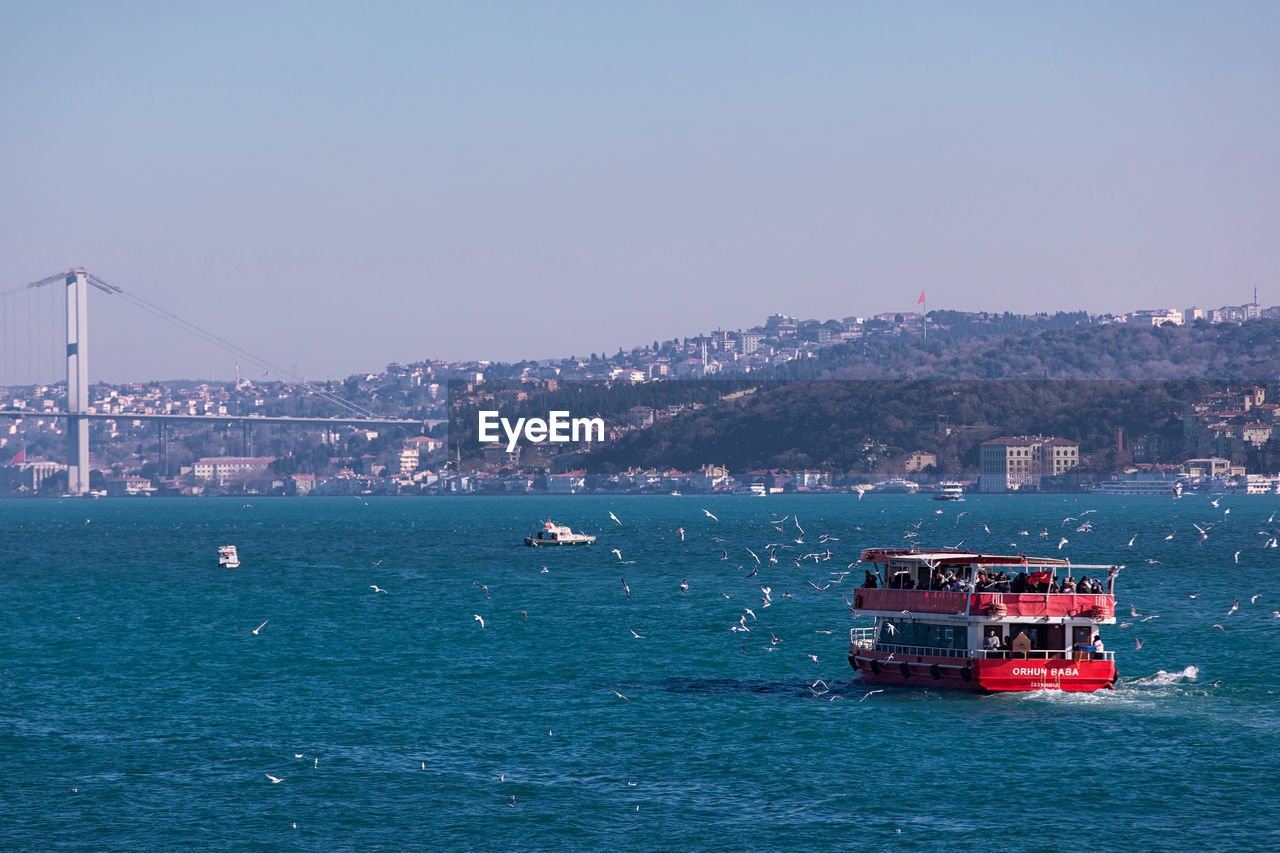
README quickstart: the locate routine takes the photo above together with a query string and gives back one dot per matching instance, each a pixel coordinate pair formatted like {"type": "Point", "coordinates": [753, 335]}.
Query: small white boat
{"type": "Point", "coordinates": [227, 557]}
{"type": "Point", "coordinates": [556, 534]}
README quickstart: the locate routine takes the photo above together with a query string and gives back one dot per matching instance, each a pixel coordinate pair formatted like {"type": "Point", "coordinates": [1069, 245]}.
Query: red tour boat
{"type": "Point", "coordinates": [983, 622]}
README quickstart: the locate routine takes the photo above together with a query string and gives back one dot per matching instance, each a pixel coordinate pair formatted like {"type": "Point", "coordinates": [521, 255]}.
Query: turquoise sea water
{"type": "Point", "coordinates": [138, 711]}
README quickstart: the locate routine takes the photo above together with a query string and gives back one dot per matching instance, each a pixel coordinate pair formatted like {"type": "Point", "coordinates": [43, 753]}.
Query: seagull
{"type": "Point", "coordinates": [813, 658]}
{"type": "Point", "coordinates": [1170, 536]}
{"type": "Point", "coordinates": [637, 636]}
{"type": "Point", "coordinates": [1254, 599]}
{"type": "Point", "coordinates": [1197, 595]}
{"type": "Point", "coordinates": [709, 515]}
{"type": "Point", "coordinates": [275, 780]}
{"type": "Point", "coordinates": [753, 553]}
{"type": "Point", "coordinates": [614, 517]}
{"type": "Point", "coordinates": [1214, 502]}
{"type": "Point", "coordinates": [1236, 556]}
{"type": "Point", "coordinates": [473, 583]}
{"type": "Point", "coordinates": [478, 619]}
{"type": "Point", "coordinates": [617, 553]}
{"type": "Point", "coordinates": [297, 755]}
{"type": "Point", "coordinates": [1137, 644]}
{"type": "Point", "coordinates": [871, 693]}
{"type": "Point", "coordinates": [1220, 628]}
{"type": "Point", "coordinates": [1234, 607]}
{"type": "Point", "coordinates": [1061, 542]}
{"type": "Point", "coordinates": [681, 532]}
{"type": "Point", "coordinates": [626, 589]}
{"type": "Point", "coordinates": [684, 585]}
{"type": "Point", "coordinates": [1130, 544]}
{"type": "Point", "coordinates": [376, 588]}
{"type": "Point", "coordinates": [524, 613]}
{"type": "Point", "coordinates": [376, 563]}
{"type": "Point", "coordinates": [619, 695]}
{"type": "Point", "coordinates": [260, 627]}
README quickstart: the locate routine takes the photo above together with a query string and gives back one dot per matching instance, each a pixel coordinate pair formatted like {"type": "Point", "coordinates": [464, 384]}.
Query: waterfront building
{"type": "Point", "coordinates": [1011, 463]}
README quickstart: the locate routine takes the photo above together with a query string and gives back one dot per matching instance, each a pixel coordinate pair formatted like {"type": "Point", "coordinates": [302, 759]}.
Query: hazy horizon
{"type": "Point", "coordinates": [335, 188]}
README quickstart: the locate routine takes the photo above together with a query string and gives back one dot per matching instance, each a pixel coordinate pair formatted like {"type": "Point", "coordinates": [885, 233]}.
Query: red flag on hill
{"type": "Point", "coordinates": [920, 301]}
{"type": "Point", "coordinates": [19, 458]}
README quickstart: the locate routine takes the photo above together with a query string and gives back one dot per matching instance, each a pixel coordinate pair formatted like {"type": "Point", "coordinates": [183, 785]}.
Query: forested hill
{"type": "Point", "coordinates": [856, 425]}
{"type": "Point", "coordinates": [1246, 352]}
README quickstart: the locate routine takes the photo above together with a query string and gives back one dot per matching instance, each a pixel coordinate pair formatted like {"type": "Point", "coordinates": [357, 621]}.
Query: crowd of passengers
{"type": "Point", "coordinates": [948, 581]}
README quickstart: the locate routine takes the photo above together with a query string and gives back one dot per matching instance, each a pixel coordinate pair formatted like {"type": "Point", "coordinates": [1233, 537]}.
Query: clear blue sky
{"type": "Point", "coordinates": [337, 186]}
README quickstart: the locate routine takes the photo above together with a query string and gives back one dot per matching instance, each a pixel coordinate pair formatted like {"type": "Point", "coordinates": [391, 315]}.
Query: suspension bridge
{"type": "Point", "coordinates": [20, 323]}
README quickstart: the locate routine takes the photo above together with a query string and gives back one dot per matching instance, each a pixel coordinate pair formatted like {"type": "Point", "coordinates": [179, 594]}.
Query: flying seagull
{"type": "Point", "coordinates": [614, 517]}
{"type": "Point", "coordinates": [260, 627]}
{"type": "Point", "coordinates": [478, 619]}
{"type": "Point", "coordinates": [709, 515]}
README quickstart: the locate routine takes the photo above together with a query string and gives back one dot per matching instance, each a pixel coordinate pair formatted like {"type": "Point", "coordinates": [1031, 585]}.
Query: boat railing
{"type": "Point", "coordinates": [1043, 654]}
{"type": "Point", "coordinates": [862, 638]}
{"type": "Point", "coordinates": [860, 641]}
{"type": "Point", "coordinates": [922, 651]}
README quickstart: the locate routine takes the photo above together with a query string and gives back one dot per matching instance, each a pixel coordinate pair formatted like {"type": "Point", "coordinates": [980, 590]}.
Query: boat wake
{"type": "Point", "coordinates": [1185, 675]}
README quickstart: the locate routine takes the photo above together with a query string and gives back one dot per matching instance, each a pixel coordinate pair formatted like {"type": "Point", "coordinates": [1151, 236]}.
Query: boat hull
{"type": "Point", "coordinates": [551, 543]}
{"type": "Point", "coordinates": [986, 676]}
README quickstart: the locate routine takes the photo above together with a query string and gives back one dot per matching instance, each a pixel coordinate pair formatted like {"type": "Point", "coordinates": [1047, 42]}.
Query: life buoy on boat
{"type": "Point", "coordinates": [875, 667]}
{"type": "Point", "coordinates": [1098, 613]}
{"type": "Point", "coordinates": [935, 671]}
{"type": "Point", "coordinates": [906, 669]}
{"type": "Point", "coordinates": [997, 610]}
{"type": "Point", "coordinates": [966, 674]}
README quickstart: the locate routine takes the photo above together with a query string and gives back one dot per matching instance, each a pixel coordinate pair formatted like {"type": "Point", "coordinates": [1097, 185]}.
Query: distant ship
{"type": "Point", "coordinates": [898, 485]}
{"type": "Point", "coordinates": [227, 557]}
{"type": "Point", "coordinates": [949, 491]}
{"type": "Point", "coordinates": [752, 489]}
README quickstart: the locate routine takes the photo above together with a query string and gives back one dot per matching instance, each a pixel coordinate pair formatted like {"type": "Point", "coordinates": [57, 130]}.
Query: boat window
{"type": "Point", "coordinates": [904, 633]}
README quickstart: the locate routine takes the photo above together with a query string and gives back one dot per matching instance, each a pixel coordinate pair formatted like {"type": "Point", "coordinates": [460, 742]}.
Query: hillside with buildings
{"type": "Point", "coordinates": [839, 402]}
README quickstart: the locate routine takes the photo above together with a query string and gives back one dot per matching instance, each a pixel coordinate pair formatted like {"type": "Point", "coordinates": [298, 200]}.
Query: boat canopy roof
{"type": "Point", "coordinates": [956, 558]}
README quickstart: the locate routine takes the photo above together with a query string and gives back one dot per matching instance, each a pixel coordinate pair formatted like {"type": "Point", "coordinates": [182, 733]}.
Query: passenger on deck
{"type": "Point", "coordinates": [1019, 583]}
{"type": "Point", "coordinates": [1098, 648]}
{"type": "Point", "coordinates": [1068, 585]}
{"type": "Point", "coordinates": [1002, 582]}
{"type": "Point", "coordinates": [992, 642]}
{"type": "Point", "coordinates": [870, 581]}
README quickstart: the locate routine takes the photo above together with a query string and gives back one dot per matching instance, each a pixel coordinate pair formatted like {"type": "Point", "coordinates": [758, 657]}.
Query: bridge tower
{"type": "Point", "coordinates": [77, 381]}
